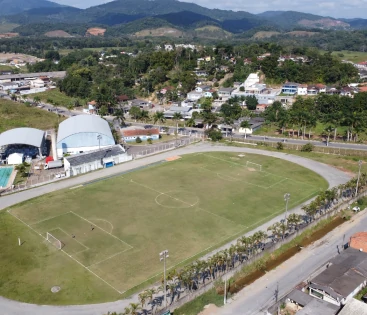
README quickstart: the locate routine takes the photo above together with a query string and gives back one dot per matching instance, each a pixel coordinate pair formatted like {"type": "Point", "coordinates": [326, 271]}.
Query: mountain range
{"type": "Point", "coordinates": [135, 15]}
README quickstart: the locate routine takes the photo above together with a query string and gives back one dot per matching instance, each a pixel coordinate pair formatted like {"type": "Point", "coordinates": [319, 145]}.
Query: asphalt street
{"type": "Point", "coordinates": [8, 307]}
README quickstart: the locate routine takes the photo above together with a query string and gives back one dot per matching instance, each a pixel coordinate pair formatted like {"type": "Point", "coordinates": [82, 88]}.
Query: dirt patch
{"type": "Point", "coordinates": [95, 31]}
{"type": "Point", "coordinates": [264, 34]}
{"type": "Point", "coordinates": [209, 310]}
{"type": "Point", "coordinates": [323, 23]}
{"type": "Point", "coordinates": [20, 57]}
{"type": "Point", "coordinates": [173, 158]}
{"type": "Point", "coordinates": [161, 31]}
{"type": "Point", "coordinates": [57, 33]}
{"type": "Point", "coordinates": [301, 33]}
{"type": "Point", "coordinates": [345, 171]}
{"type": "Point", "coordinates": [9, 35]}
{"type": "Point", "coordinates": [250, 169]}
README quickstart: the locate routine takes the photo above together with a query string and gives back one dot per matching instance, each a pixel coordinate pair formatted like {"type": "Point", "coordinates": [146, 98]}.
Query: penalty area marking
{"type": "Point", "coordinates": [103, 220]}
{"type": "Point", "coordinates": [75, 187]}
{"type": "Point", "coordinates": [77, 261]}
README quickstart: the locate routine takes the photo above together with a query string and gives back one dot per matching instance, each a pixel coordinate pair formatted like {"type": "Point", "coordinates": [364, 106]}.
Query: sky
{"type": "Point", "coordinates": [333, 8]}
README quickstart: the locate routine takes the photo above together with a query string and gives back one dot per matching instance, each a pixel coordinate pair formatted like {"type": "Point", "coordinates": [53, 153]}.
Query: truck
{"type": "Point", "coordinates": [53, 164]}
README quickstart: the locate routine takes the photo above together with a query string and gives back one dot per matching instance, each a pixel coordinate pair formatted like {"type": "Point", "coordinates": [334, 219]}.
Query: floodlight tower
{"type": "Point", "coordinates": [163, 256]}
{"type": "Point", "coordinates": [359, 174]}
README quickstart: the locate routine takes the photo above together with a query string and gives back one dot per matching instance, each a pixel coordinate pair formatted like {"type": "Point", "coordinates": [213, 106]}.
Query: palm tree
{"type": "Point", "coordinates": [36, 99]}
{"type": "Point", "coordinates": [328, 131]}
{"type": "Point", "coordinates": [134, 307]}
{"type": "Point", "coordinates": [127, 311]}
{"type": "Point", "coordinates": [190, 122]}
{"type": "Point", "coordinates": [246, 125]}
{"type": "Point", "coordinates": [159, 117]}
{"type": "Point", "coordinates": [144, 116]}
{"type": "Point", "coordinates": [119, 117]}
{"type": "Point", "coordinates": [142, 298]}
{"type": "Point", "coordinates": [176, 117]}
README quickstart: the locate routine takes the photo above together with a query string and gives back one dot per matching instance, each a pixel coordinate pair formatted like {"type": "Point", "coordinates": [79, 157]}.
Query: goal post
{"type": "Point", "coordinates": [255, 166]}
{"type": "Point", "coordinates": [53, 240]}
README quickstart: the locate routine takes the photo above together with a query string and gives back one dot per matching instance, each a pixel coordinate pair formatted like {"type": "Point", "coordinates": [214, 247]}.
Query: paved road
{"type": "Point", "coordinates": [260, 295]}
{"type": "Point", "coordinates": [8, 307]}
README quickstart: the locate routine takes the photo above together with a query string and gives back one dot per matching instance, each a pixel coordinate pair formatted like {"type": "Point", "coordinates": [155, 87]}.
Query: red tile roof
{"type": "Point", "coordinates": [359, 241]}
{"type": "Point", "coordinates": [140, 132]}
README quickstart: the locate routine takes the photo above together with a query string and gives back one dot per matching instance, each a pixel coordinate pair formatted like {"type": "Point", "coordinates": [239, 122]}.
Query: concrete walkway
{"type": "Point", "coordinates": [9, 307]}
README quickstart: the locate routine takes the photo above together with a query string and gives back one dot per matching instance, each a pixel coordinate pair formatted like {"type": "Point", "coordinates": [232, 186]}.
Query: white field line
{"type": "Point", "coordinates": [75, 187]}
{"type": "Point", "coordinates": [50, 218]}
{"type": "Point", "coordinates": [268, 173]}
{"type": "Point", "coordinates": [86, 247]}
{"type": "Point", "coordinates": [97, 219]}
{"type": "Point", "coordinates": [114, 255]}
{"type": "Point", "coordinates": [111, 286]}
{"type": "Point", "coordinates": [91, 223]}
{"type": "Point", "coordinates": [201, 209]}
{"type": "Point", "coordinates": [277, 183]}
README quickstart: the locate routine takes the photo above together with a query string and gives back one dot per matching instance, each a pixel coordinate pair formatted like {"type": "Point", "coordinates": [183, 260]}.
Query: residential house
{"type": "Point", "coordinates": [321, 88]}
{"type": "Point", "coordinates": [261, 107]}
{"type": "Point", "coordinates": [236, 84]}
{"type": "Point", "coordinates": [202, 88]}
{"type": "Point", "coordinates": [38, 83]}
{"type": "Point", "coordinates": [290, 88]}
{"type": "Point", "coordinates": [142, 104]}
{"type": "Point", "coordinates": [225, 93]}
{"type": "Point", "coordinates": [201, 73]}
{"type": "Point", "coordinates": [168, 47]}
{"type": "Point", "coordinates": [166, 89]}
{"type": "Point", "coordinates": [255, 88]}
{"type": "Point", "coordinates": [186, 112]}
{"type": "Point", "coordinates": [330, 90]}
{"type": "Point", "coordinates": [224, 68]}
{"type": "Point", "coordinates": [354, 307]}
{"type": "Point", "coordinates": [208, 94]}
{"type": "Point", "coordinates": [247, 61]}
{"type": "Point", "coordinates": [122, 98]}
{"type": "Point", "coordinates": [348, 91]}
{"type": "Point", "coordinates": [194, 96]}
{"type": "Point", "coordinates": [344, 277]}
{"type": "Point", "coordinates": [302, 89]}
{"type": "Point", "coordinates": [188, 103]}
{"type": "Point", "coordinates": [251, 80]}
{"type": "Point", "coordinates": [130, 134]}
{"type": "Point", "coordinates": [312, 90]}
{"type": "Point", "coordinates": [7, 86]}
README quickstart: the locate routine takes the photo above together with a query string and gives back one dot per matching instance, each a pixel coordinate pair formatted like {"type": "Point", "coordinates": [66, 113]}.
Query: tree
{"type": "Point", "coordinates": [251, 102]}
{"type": "Point", "coordinates": [159, 117]}
{"type": "Point", "coordinates": [214, 134]}
{"type": "Point", "coordinates": [176, 118]}
{"type": "Point", "coordinates": [135, 112]}
{"type": "Point", "coordinates": [245, 125]}
{"type": "Point", "coordinates": [119, 117]}
{"type": "Point", "coordinates": [134, 308]}
{"type": "Point", "coordinates": [144, 116]}
{"type": "Point", "coordinates": [328, 131]}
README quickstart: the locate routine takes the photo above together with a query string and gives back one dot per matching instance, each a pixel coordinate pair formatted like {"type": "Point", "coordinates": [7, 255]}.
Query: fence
{"type": "Point", "coordinates": [298, 147]}
{"type": "Point", "coordinates": [269, 249]}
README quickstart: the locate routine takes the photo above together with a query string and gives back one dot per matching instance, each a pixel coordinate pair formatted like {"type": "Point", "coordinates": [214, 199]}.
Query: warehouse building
{"type": "Point", "coordinates": [83, 133]}
{"type": "Point", "coordinates": [91, 161]}
{"type": "Point", "coordinates": [29, 142]}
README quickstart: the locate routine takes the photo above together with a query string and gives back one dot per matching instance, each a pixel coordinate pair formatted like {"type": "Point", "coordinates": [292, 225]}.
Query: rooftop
{"type": "Point", "coordinates": [27, 136]}
{"type": "Point", "coordinates": [359, 241]}
{"type": "Point", "coordinates": [354, 307]}
{"type": "Point", "coordinates": [346, 272]}
{"type": "Point", "coordinates": [56, 74]}
{"type": "Point", "coordinates": [92, 156]}
{"type": "Point", "coordinates": [319, 307]}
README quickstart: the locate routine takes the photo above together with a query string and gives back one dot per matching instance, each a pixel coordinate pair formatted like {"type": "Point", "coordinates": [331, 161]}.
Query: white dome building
{"type": "Point", "coordinates": [83, 133]}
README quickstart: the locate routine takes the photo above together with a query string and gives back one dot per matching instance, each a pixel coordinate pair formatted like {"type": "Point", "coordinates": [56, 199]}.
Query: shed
{"type": "Point", "coordinates": [15, 158]}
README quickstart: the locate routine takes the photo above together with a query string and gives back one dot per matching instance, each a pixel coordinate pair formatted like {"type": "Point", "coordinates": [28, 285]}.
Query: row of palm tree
{"type": "Point", "coordinates": [198, 274]}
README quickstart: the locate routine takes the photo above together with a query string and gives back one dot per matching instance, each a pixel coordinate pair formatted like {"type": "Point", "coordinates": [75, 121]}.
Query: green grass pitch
{"type": "Point", "coordinates": [189, 206]}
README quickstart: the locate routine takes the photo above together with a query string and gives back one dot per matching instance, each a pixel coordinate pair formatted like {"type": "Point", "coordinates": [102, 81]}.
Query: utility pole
{"type": "Point", "coordinates": [359, 174]}
{"type": "Point", "coordinates": [163, 256]}
{"type": "Point", "coordinates": [287, 196]}
{"type": "Point", "coordinates": [225, 291]}
{"type": "Point", "coordinates": [99, 137]}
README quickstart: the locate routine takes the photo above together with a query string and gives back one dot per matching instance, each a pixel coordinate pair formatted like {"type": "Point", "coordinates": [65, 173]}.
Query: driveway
{"type": "Point", "coordinates": [8, 307]}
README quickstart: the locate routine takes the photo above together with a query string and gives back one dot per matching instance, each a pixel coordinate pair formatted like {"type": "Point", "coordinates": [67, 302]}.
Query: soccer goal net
{"type": "Point", "coordinates": [255, 166]}
{"type": "Point", "coordinates": [54, 241]}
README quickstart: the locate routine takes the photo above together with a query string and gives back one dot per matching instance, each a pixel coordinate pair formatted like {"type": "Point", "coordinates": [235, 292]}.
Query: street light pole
{"type": "Point", "coordinates": [163, 256]}
{"type": "Point", "coordinates": [359, 174]}
{"type": "Point", "coordinates": [287, 196]}
{"type": "Point", "coordinates": [99, 137]}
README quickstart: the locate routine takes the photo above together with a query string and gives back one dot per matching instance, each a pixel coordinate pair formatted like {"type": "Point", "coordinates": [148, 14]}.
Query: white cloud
{"type": "Point", "coordinates": [336, 8]}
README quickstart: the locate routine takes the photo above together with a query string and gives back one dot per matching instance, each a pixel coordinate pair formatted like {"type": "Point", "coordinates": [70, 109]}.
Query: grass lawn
{"type": "Point", "coordinates": [15, 115]}
{"type": "Point", "coordinates": [354, 56]}
{"type": "Point", "coordinates": [163, 138]}
{"type": "Point", "coordinates": [58, 97]}
{"type": "Point", "coordinates": [7, 27]}
{"type": "Point", "coordinates": [189, 206]}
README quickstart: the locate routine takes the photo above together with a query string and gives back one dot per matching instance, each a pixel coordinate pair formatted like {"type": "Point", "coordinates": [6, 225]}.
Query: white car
{"type": "Point", "coordinates": [356, 209]}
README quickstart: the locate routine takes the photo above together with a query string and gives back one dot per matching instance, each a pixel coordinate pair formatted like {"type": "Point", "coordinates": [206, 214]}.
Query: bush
{"type": "Point", "coordinates": [307, 147]}
{"type": "Point", "coordinates": [242, 88]}
{"type": "Point", "coordinates": [216, 84]}
{"type": "Point", "coordinates": [138, 140]}
{"type": "Point", "coordinates": [280, 146]}
{"type": "Point", "coordinates": [214, 135]}
{"type": "Point", "coordinates": [150, 140]}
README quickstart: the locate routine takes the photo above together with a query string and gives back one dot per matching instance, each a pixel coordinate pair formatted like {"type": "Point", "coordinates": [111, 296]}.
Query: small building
{"type": "Point", "coordinates": [131, 134]}
{"type": "Point", "coordinates": [345, 276]}
{"type": "Point", "coordinates": [225, 93]}
{"type": "Point", "coordinates": [186, 112]}
{"type": "Point", "coordinates": [194, 96]}
{"type": "Point", "coordinates": [321, 88]}
{"type": "Point", "coordinates": [202, 88]}
{"type": "Point", "coordinates": [302, 89]}
{"type": "Point", "coordinates": [15, 159]}
{"type": "Point", "coordinates": [261, 107]}
{"type": "Point", "coordinates": [359, 241]}
{"type": "Point", "coordinates": [38, 83]}
{"type": "Point", "coordinates": [252, 79]}
{"type": "Point", "coordinates": [142, 104]}
{"type": "Point", "coordinates": [6, 86]}
{"type": "Point", "coordinates": [354, 307]}
{"type": "Point", "coordinates": [91, 161]}
{"type": "Point", "coordinates": [255, 88]}
{"type": "Point", "coordinates": [290, 88]}
{"type": "Point", "coordinates": [312, 90]}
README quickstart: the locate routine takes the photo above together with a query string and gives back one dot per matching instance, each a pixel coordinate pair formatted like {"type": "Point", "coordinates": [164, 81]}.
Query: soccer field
{"type": "Point", "coordinates": [111, 231]}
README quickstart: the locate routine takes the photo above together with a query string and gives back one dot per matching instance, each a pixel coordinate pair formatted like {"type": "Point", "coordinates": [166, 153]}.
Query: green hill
{"type": "Point", "coordinates": [9, 7]}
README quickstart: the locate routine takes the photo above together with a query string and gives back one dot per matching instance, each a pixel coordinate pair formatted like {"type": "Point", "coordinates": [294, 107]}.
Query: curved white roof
{"type": "Point", "coordinates": [83, 124]}
{"type": "Point", "coordinates": [28, 136]}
